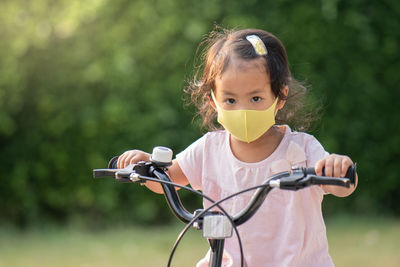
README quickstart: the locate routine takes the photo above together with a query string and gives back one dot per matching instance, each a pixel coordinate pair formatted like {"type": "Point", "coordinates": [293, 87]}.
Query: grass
{"type": "Point", "coordinates": [364, 242]}
{"type": "Point", "coordinates": [353, 242]}
{"type": "Point", "coordinates": [135, 246]}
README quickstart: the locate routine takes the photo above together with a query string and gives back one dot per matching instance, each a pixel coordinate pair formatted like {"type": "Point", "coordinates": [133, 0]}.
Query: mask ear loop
{"type": "Point", "coordinates": [213, 99]}
{"type": "Point", "coordinates": [276, 103]}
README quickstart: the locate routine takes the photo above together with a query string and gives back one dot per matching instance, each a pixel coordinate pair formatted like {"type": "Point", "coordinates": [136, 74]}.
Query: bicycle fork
{"type": "Point", "coordinates": [217, 251]}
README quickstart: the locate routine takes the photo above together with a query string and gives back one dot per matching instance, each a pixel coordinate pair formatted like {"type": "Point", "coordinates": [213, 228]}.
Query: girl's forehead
{"type": "Point", "coordinates": [239, 64]}
{"type": "Point", "coordinates": [238, 67]}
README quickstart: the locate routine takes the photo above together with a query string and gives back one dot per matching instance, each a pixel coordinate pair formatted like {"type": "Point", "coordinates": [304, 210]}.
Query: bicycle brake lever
{"type": "Point", "coordinates": [299, 179]}
{"type": "Point", "coordinates": [292, 182]}
{"type": "Point", "coordinates": [133, 172]}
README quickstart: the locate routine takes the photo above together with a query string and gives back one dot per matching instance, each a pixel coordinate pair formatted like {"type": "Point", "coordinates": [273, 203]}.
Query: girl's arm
{"type": "Point", "coordinates": [336, 165]}
{"type": "Point", "coordinates": [174, 171]}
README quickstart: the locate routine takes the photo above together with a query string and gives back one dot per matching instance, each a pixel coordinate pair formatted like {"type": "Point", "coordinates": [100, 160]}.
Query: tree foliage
{"type": "Point", "coordinates": [81, 81]}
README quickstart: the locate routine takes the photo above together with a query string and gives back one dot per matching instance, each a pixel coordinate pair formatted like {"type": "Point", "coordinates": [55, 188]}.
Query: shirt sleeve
{"type": "Point", "coordinates": [191, 162]}
{"type": "Point", "coordinates": [314, 151]}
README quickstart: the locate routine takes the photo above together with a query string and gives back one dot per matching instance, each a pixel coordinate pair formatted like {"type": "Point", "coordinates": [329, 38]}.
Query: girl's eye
{"type": "Point", "coordinates": [256, 99]}
{"type": "Point", "coordinates": [230, 101]}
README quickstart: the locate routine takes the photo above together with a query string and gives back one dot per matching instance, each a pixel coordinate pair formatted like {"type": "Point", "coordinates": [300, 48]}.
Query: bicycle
{"type": "Point", "coordinates": [216, 225]}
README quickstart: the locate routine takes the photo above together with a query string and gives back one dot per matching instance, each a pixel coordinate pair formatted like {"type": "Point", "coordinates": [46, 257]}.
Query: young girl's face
{"type": "Point", "coordinates": [244, 85]}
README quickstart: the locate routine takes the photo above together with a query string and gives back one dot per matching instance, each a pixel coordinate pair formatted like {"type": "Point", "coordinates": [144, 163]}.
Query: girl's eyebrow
{"type": "Point", "coordinates": [227, 93]}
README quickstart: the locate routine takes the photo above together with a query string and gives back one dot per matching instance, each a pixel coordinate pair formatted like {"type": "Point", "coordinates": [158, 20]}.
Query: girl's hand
{"type": "Point", "coordinates": [174, 171]}
{"type": "Point", "coordinates": [335, 166]}
{"type": "Point", "coordinates": [132, 157]}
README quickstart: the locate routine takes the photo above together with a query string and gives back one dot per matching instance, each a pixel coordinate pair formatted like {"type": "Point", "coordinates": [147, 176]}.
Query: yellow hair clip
{"type": "Point", "coordinates": [258, 44]}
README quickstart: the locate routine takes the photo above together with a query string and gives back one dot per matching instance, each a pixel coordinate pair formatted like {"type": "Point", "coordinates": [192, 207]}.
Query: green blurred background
{"type": "Point", "coordinates": [82, 81]}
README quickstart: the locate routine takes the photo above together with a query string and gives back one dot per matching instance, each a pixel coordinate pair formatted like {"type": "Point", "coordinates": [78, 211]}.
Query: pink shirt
{"type": "Point", "coordinates": [288, 229]}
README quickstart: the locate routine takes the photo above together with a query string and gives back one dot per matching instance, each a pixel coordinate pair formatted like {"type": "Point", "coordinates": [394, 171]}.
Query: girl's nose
{"type": "Point", "coordinates": [242, 105]}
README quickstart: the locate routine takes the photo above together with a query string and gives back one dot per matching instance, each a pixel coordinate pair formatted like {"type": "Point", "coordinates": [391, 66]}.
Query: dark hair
{"type": "Point", "coordinates": [220, 47]}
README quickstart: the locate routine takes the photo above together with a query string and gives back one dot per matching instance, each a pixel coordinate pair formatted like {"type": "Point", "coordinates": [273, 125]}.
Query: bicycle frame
{"type": "Point", "coordinates": [294, 179]}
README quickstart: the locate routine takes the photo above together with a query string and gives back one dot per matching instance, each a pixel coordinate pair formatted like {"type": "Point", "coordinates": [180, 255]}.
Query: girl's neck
{"type": "Point", "coordinates": [259, 149]}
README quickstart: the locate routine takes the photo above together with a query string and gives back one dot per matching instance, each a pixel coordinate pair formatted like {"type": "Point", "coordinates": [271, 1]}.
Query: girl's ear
{"type": "Point", "coordinates": [281, 103]}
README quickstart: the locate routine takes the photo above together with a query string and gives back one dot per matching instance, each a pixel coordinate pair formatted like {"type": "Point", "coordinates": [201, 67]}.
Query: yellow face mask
{"type": "Point", "coordinates": [246, 125]}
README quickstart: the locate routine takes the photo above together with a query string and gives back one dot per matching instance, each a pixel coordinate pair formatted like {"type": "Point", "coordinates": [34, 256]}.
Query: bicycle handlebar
{"type": "Point", "coordinates": [141, 172]}
{"type": "Point", "coordinates": [294, 179]}
{"type": "Point", "coordinates": [172, 197]}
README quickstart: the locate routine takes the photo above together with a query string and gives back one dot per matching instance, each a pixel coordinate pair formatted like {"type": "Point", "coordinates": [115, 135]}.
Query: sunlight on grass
{"type": "Point", "coordinates": [364, 242]}
{"type": "Point", "coordinates": [353, 242]}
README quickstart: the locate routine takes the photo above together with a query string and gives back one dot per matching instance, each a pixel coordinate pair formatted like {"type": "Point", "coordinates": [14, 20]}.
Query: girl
{"type": "Point", "coordinates": [246, 83]}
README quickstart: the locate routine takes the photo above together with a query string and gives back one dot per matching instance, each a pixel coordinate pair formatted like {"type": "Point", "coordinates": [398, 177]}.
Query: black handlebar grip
{"type": "Point", "coordinates": [113, 163]}
{"type": "Point", "coordinates": [331, 181]}
{"type": "Point", "coordinates": [102, 173]}
{"type": "Point", "coordinates": [350, 174]}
